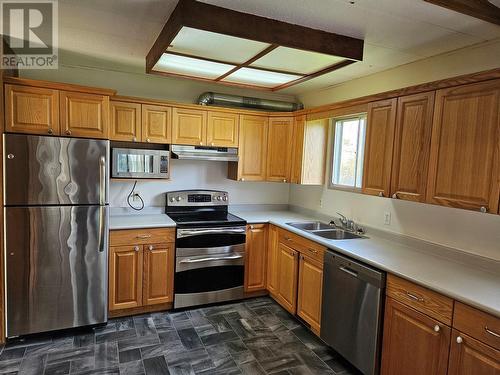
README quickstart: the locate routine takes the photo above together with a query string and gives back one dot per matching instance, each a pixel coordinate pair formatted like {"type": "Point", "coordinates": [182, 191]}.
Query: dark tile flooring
{"type": "Point", "coordinates": [251, 337]}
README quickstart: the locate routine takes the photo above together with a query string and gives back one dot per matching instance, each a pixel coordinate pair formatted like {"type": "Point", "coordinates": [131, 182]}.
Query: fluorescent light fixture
{"type": "Point", "coordinates": [258, 77]}
{"type": "Point", "coordinates": [189, 66]}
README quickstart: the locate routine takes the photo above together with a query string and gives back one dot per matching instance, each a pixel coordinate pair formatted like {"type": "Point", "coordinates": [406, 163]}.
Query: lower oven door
{"type": "Point", "coordinates": [212, 275]}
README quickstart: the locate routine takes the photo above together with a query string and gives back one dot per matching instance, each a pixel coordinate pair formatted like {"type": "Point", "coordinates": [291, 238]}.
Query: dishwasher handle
{"type": "Point", "coordinates": [348, 271]}
{"type": "Point", "coordinates": [356, 269]}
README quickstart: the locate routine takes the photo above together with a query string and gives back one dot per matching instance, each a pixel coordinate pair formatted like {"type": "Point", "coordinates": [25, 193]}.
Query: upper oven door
{"type": "Point", "coordinates": [210, 240]}
{"type": "Point", "coordinates": [140, 163]}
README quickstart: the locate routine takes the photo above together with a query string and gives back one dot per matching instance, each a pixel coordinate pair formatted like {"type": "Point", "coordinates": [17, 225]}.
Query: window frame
{"type": "Point", "coordinates": [332, 147]}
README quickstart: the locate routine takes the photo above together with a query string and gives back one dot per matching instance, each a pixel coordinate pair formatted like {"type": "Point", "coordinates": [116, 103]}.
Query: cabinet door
{"type": "Point", "coordinates": [189, 127]}
{"type": "Point", "coordinates": [158, 273]}
{"type": "Point", "coordinates": [413, 343]}
{"type": "Point", "coordinates": [31, 110]}
{"type": "Point", "coordinates": [378, 147]}
{"type": "Point", "coordinates": [252, 148]}
{"type": "Point", "coordinates": [84, 115]}
{"type": "Point", "coordinates": [272, 261]}
{"type": "Point", "coordinates": [298, 149]}
{"type": "Point", "coordinates": [412, 146]}
{"type": "Point", "coordinates": [288, 267]}
{"type": "Point", "coordinates": [472, 357]}
{"type": "Point", "coordinates": [222, 129]}
{"type": "Point", "coordinates": [125, 121]}
{"type": "Point", "coordinates": [279, 149]}
{"type": "Point", "coordinates": [255, 260]}
{"type": "Point", "coordinates": [309, 292]}
{"type": "Point", "coordinates": [465, 161]}
{"type": "Point", "coordinates": [156, 123]}
{"type": "Point", "coordinates": [125, 277]}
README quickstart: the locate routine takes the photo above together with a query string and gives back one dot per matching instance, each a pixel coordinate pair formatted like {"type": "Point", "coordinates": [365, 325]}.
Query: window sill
{"type": "Point", "coordinates": [345, 188]}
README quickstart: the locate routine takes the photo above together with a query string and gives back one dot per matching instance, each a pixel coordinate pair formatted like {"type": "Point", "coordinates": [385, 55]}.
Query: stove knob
{"type": "Point", "coordinates": [218, 198]}
{"type": "Point", "coordinates": [179, 198]}
{"type": "Point", "coordinates": [224, 198]}
{"type": "Point", "coordinates": [172, 199]}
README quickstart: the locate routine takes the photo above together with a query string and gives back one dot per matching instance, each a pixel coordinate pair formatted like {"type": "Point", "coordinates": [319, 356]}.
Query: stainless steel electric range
{"type": "Point", "coordinates": [210, 248]}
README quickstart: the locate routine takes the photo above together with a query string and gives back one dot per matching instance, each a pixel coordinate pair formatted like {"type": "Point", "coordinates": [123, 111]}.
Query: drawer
{"type": "Point", "coordinates": [141, 236]}
{"type": "Point", "coordinates": [480, 325]}
{"type": "Point", "coordinates": [302, 245]}
{"type": "Point", "coordinates": [421, 299]}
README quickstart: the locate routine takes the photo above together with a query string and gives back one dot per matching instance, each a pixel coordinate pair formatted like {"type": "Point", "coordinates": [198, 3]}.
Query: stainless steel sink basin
{"type": "Point", "coordinates": [335, 234]}
{"type": "Point", "coordinates": [310, 225]}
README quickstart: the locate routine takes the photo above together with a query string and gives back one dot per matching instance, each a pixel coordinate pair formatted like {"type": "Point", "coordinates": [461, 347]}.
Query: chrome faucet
{"type": "Point", "coordinates": [347, 224]}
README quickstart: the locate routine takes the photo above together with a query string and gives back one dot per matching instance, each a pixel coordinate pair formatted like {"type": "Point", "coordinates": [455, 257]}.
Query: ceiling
{"type": "Point", "coordinates": [396, 32]}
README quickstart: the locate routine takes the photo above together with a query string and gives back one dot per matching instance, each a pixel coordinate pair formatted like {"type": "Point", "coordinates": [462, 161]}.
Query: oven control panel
{"type": "Point", "coordinates": [197, 198]}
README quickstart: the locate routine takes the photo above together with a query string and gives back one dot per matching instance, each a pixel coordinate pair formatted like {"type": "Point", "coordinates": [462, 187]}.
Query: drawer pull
{"type": "Point", "coordinates": [288, 239]}
{"type": "Point", "coordinates": [414, 297]}
{"type": "Point", "coordinates": [136, 248]}
{"type": "Point", "coordinates": [459, 340]}
{"type": "Point", "coordinates": [313, 251]}
{"type": "Point", "coordinates": [437, 328]}
{"type": "Point", "coordinates": [143, 236]}
{"type": "Point", "coordinates": [150, 247]}
{"type": "Point", "coordinates": [491, 332]}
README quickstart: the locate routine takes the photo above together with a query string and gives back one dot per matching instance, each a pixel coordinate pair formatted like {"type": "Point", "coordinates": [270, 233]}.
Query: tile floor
{"type": "Point", "coordinates": [251, 337]}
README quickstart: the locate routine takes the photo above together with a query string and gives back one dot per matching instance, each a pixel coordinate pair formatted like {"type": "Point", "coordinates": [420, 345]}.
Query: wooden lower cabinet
{"type": "Point", "coordinates": [272, 261]}
{"type": "Point", "coordinates": [255, 257]}
{"type": "Point", "coordinates": [158, 274]}
{"type": "Point", "coordinates": [471, 357]}
{"type": "Point", "coordinates": [413, 343]}
{"type": "Point", "coordinates": [310, 291]}
{"type": "Point", "coordinates": [288, 268]}
{"type": "Point", "coordinates": [125, 277]}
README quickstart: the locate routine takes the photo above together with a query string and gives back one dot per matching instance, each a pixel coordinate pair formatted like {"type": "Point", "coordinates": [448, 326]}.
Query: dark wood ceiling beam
{"type": "Point", "coordinates": [318, 73]}
{"type": "Point", "coordinates": [481, 9]}
{"type": "Point", "coordinates": [202, 16]}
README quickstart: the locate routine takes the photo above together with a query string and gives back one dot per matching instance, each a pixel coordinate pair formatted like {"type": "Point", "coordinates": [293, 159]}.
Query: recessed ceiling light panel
{"type": "Point", "coordinates": [189, 66]}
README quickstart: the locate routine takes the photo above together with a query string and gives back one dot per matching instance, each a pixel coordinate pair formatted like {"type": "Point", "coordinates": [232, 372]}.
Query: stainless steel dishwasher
{"type": "Point", "coordinates": [352, 310]}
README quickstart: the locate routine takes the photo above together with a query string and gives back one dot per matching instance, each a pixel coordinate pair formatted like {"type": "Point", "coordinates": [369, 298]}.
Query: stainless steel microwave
{"type": "Point", "coordinates": [140, 163]}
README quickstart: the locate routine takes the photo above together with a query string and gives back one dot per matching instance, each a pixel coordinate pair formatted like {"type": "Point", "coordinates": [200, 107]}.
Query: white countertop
{"type": "Point", "coordinates": [468, 282]}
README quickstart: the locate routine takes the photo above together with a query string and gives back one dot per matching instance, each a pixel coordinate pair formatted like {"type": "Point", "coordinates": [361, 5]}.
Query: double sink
{"type": "Point", "coordinates": [323, 230]}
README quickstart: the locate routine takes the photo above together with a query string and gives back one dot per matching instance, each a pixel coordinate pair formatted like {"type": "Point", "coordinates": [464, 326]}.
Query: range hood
{"type": "Point", "coordinates": [204, 153]}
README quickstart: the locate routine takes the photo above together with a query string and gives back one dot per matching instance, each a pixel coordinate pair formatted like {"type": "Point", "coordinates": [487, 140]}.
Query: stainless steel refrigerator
{"type": "Point", "coordinates": [56, 232]}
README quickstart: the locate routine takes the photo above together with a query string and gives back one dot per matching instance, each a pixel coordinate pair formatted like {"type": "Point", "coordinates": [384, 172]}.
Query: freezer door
{"type": "Point", "coordinates": [56, 267]}
{"type": "Point", "coordinates": [53, 170]}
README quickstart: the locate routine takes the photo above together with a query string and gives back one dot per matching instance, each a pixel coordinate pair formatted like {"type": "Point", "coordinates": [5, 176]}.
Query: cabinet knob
{"type": "Point", "coordinates": [380, 194]}
{"type": "Point", "coordinates": [201, 143]}
{"type": "Point", "coordinates": [148, 140]}
{"type": "Point", "coordinates": [437, 328]}
{"type": "Point", "coordinates": [459, 340]}
{"type": "Point", "coordinates": [483, 209]}
{"type": "Point", "coordinates": [395, 195]}
{"type": "Point", "coordinates": [50, 131]}
{"type": "Point", "coordinates": [284, 180]}
{"type": "Point", "coordinates": [150, 247]}
{"type": "Point", "coordinates": [136, 248]}
{"type": "Point", "coordinates": [242, 179]}
{"type": "Point", "coordinates": [212, 144]}
{"type": "Point", "coordinates": [134, 139]}
{"type": "Point", "coordinates": [251, 226]}
{"type": "Point", "coordinates": [68, 132]}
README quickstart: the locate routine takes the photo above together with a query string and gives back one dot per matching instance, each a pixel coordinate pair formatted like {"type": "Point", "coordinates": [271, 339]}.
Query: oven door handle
{"type": "Point", "coordinates": [195, 232]}
{"type": "Point", "coordinates": [232, 257]}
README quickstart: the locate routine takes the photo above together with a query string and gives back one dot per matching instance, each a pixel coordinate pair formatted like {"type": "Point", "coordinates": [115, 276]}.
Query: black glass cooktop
{"type": "Point", "coordinates": [206, 218]}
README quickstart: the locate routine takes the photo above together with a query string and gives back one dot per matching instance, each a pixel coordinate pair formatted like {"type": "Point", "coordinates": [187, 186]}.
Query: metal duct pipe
{"type": "Point", "coordinates": [226, 100]}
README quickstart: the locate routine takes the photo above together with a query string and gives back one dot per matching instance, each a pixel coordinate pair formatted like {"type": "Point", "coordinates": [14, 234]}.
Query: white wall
{"type": "Point", "coordinates": [190, 174]}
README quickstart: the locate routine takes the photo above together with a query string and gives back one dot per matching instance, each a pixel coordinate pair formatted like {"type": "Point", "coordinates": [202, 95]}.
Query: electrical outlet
{"type": "Point", "coordinates": [321, 203]}
{"type": "Point", "coordinates": [135, 196]}
{"type": "Point", "coordinates": [387, 218]}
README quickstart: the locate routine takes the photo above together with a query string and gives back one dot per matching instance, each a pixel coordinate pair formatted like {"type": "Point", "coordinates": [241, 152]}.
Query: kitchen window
{"type": "Point", "coordinates": [348, 152]}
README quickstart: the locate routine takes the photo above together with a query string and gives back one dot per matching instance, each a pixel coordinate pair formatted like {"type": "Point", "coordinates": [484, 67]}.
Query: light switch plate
{"type": "Point", "coordinates": [387, 218]}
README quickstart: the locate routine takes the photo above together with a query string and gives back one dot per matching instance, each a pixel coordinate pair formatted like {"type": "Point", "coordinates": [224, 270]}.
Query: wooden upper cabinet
{"type": "Point", "coordinates": [158, 274]}
{"type": "Point", "coordinates": [288, 267]}
{"type": "Point", "coordinates": [189, 127]}
{"type": "Point", "coordinates": [255, 260]}
{"type": "Point", "coordinates": [222, 129]}
{"type": "Point", "coordinates": [125, 121]}
{"type": "Point", "coordinates": [464, 170]}
{"type": "Point", "coordinates": [279, 149]}
{"type": "Point", "coordinates": [310, 291]}
{"type": "Point", "coordinates": [471, 357]}
{"type": "Point", "coordinates": [31, 110]}
{"type": "Point", "coordinates": [412, 144]}
{"type": "Point", "coordinates": [378, 147]}
{"type": "Point", "coordinates": [125, 277]}
{"type": "Point", "coordinates": [309, 142]}
{"type": "Point", "coordinates": [156, 123]}
{"type": "Point", "coordinates": [84, 115]}
{"type": "Point", "coordinates": [252, 150]}
{"type": "Point", "coordinates": [272, 261]}
{"type": "Point", "coordinates": [413, 343]}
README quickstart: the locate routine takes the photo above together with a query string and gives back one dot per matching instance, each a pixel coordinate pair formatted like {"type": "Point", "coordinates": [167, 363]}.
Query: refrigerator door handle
{"type": "Point", "coordinates": [102, 180]}
{"type": "Point", "coordinates": [101, 228]}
